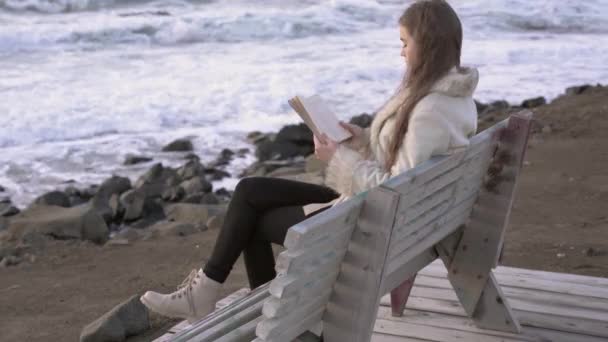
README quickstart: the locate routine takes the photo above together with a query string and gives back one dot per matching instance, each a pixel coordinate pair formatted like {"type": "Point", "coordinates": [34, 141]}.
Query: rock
{"type": "Point", "coordinates": [133, 203]}
{"type": "Point", "coordinates": [81, 222]}
{"type": "Point", "coordinates": [547, 129]}
{"type": "Point", "coordinates": [242, 152]}
{"type": "Point", "coordinates": [256, 137]}
{"type": "Point", "coordinates": [224, 158]}
{"type": "Point", "coordinates": [127, 319]}
{"type": "Point", "coordinates": [299, 134]}
{"type": "Point", "coordinates": [77, 196]}
{"type": "Point", "coordinates": [114, 185]}
{"type": "Point", "coordinates": [480, 106]}
{"type": "Point", "coordinates": [195, 214]}
{"type": "Point", "coordinates": [10, 260]}
{"type": "Point", "coordinates": [3, 223]}
{"type": "Point", "coordinates": [153, 212]}
{"type": "Point", "coordinates": [179, 145]}
{"type": "Point", "coordinates": [196, 185]}
{"type": "Point", "coordinates": [273, 150]}
{"type": "Point", "coordinates": [215, 222]}
{"type": "Point", "coordinates": [56, 198]}
{"type": "Point", "coordinates": [191, 169]}
{"type": "Point", "coordinates": [131, 159]}
{"type": "Point", "coordinates": [222, 192]}
{"type": "Point", "coordinates": [128, 234]}
{"type": "Point", "coordinates": [90, 191]}
{"type": "Point", "coordinates": [2, 189]}
{"type": "Point", "coordinates": [363, 120]}
{"type": "Point", "coordinates": [577, 90]}
{"type": "Point", "coordinates": [118, 210]}
{"type": "Point", "coordinates": [593, 252]}
{"type": "Point", "coordinates": [174, 194]}
{"type": "Point", "coordinates": [209, 198]}
{"type": "Point", "coordinates": [8, 209]}
{"type": "Point", "coordinates": [192, 156]}
{"type": "Point", "coordinates": [216, 174]}
{"type": "Point", "coordinates": [177, 228]}
{"type": "Point", "coordinates": [156, 180]}
{"type": "Point", "coordinates": [7, 249]}
{"type": "Point", "coordinates": [534, 102]}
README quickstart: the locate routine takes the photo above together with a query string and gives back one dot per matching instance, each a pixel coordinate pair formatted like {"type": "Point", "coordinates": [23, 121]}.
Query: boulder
{"type": "Point", "coordinates": [195, 214]}
{"type": "Point", "coordinates": [363, 120]}
{"type": "Point", "coordinates": [299, 134]}
{"type": "Point", "coordinates": [156, 180]}
{"type": "Point", "coordinates": [216, 174]}
{"type": "Point", "coordinates": [209, 198]}
{"type": "Point", "coordinates": [2, 189]}
{"type": "Point", "coordinates": [179, 145]}
{"type": "Point", "coordinates": [224, 158]}
{"type": "Point", "coordinates": [113, 185]}
{"type": "Point", "coordinates": [133, 203]}
{"type": "Point", "coordinates": [577, 90]}
{"type": "Point", "coordinates": [77, 196]}
{"type": "Point", "coordinates": [3, 223]}
{"type": "Point", "coordinates": [192, 156]}
{"type": "Point", "coordinates": [131, 159]}
{"type": "Point", "coordinates": [127, 319]}
{"type": "Point", "coordinates": [7, 208]}
{"type": "Point", "coordinates": [56, 198]}
{"type": "Point", "coordinates": [191, 169]}
{"type": "Point", "coordinates": [81, 222]}
{"type": "Point", "coordinates": [174, 194]}
{"type": "Point", "coordinates": [152, 212]}
{"type": "Point", "coordinates": [196, 185]}
{"type": "Point", "coordinates": [534, 102]}
{"type": "Point", "coordinates": [177, 228]}
{"type": "Point", "coordinates": [128, 234]}
{"type": "Point", "coordinates": [10, 260]}
{"type": "Point", "coordinates": [273, 150]}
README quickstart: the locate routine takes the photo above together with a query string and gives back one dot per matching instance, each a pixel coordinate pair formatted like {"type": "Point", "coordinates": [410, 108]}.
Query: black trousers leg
{"type": "Point", "coordinates": [277, 200]}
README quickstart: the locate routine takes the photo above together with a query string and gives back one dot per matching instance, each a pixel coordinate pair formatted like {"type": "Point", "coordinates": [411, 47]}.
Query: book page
{"type": "Point", "coordinates": [323, 118]}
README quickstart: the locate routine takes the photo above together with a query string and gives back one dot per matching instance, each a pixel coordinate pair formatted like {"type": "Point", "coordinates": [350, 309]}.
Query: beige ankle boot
{"type": "Point", "coordinates": [194, 299]}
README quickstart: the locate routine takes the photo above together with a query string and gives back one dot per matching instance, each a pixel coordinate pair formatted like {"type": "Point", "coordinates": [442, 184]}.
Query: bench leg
{"type": "Point", "coordinates": [400, 295]}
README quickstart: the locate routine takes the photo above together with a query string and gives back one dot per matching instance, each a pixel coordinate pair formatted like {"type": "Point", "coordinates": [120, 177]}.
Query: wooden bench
{"type": "Point", "coordinates": [338, 264]}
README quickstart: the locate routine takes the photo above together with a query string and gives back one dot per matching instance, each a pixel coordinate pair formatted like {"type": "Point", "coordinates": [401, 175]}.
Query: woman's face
{"type": "Point", "coordinates": [409, 46]}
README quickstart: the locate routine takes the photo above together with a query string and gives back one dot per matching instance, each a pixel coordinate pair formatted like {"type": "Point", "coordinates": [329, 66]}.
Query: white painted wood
{"type": "Point", "coordinates": [367, 252]}
{"type": "Point", "coordinates": [276, 307]}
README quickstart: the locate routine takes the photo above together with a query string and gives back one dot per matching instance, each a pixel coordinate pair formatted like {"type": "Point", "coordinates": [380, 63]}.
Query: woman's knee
{"type": "Point", "coordinates": [248, 185]}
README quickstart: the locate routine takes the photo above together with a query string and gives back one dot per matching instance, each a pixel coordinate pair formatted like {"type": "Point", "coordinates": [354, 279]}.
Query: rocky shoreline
{"type": "Point", "coordinates": [180, 201]}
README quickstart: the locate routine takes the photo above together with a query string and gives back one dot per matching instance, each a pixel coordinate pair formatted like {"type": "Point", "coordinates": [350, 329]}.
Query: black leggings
{"type": "Point", "coordinates": [260, 213]}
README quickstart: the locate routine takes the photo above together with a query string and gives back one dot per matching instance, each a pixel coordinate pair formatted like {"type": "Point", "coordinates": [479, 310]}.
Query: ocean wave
{"type": "Point", "coordinates": [169, 27]}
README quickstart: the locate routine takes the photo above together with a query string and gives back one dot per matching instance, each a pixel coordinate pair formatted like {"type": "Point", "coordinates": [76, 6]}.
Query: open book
{"type": "Point", "coordinates": [318, 117]}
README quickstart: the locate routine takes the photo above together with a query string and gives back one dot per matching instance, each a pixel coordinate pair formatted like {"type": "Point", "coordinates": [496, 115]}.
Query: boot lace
{"type": "Point", "coordinates": [185, 289]}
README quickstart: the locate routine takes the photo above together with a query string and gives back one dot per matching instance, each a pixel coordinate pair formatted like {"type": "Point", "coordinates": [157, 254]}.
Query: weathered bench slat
{"type": "Point", "coordinates": [219, 317]}
{"type": "Point", "coordinates": [276, 307]}
{"type": "Point", "coordinates": [288, 285]}
{"type": "Point", "coordinates": [486, 238]}
{"type": "Point", "coordinates": [370, 241]}
{"type": "Point", "coordinates": [270, 328]}
{"type": "Point", "coordinates": [429, 234]}
{"type": "Point", "coordinates": [314, 229]}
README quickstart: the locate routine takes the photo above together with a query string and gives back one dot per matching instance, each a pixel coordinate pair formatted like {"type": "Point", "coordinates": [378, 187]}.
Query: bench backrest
{"type": "Point", "coordinates": [339, 263]}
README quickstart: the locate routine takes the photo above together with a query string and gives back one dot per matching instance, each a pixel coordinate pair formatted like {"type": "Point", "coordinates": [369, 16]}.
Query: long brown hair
{"type": "Point", "coordinates": [437, 33]}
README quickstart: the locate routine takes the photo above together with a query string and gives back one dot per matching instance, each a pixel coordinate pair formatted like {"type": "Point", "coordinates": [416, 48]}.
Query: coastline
{"type": "Point", "coordinates": [558, 223]}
